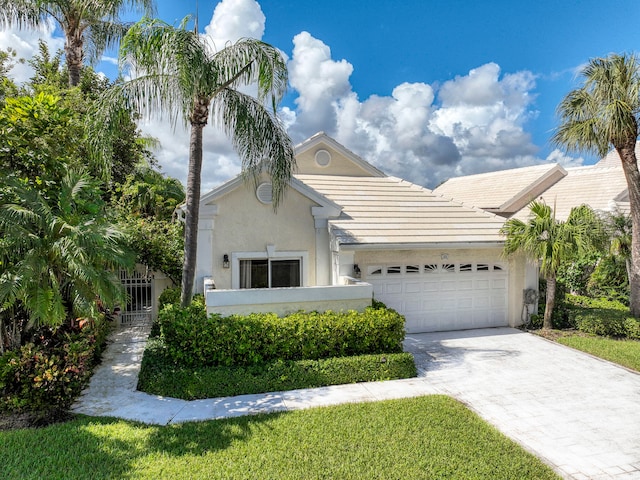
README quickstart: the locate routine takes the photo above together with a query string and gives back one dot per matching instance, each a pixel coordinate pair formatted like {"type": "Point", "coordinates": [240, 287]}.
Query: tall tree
{"type": "Point", "coordinates": [179, 72]}
{"type": "Point", "coordinates": [551, 242]}
{"type": "Point", "coordinates": [601, 114]}
{"type": "Point", "coordinates": [89, 26]}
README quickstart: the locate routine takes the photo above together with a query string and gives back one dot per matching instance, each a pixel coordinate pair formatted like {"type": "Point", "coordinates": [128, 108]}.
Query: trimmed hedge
{"type": "Point", "coordinates": [193, 339]}
{"type": "Point", "coordinates": [50, 372]}
{"type": "Point", "coordinates": [159, 376]}
{"type": "Point", "coordinates": [607, 318]}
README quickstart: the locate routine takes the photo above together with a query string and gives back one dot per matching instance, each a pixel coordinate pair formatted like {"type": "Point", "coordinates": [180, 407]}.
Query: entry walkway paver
{"type": "Point", "coordinates": [578, 413]}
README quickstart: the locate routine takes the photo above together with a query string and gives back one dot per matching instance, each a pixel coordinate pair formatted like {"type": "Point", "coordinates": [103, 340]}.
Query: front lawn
{"type": "Point", "coordinates": [622, 352]}
{"type": "Point", "coordinates": [427, 437]}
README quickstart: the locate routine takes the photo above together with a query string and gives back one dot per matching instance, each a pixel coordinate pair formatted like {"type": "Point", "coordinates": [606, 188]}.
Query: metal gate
{"type": "Point", "coordinates": [139, 309]}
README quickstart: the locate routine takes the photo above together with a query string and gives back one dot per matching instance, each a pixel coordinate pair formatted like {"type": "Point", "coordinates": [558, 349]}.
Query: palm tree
{"type": "Point", "coordinates": [57, 255]}
{"type": "Point", "coordinates": [89, 26]}
{"type": "Point", "coordinates": [551, 242]}
{"type": "Point", "coordinates": [619, 228]}
{"type": "Point", "coordinates": [179, 72]}
{"type": "Point", "coordinates": [602, 113]}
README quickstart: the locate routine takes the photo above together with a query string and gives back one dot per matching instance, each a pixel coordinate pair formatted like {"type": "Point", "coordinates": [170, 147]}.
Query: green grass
{"type": "Point", "coordinates": [160, 376]}
{"type": "Point", "coordinates": [622, 352]}
{"type": "Point", "coordinates": [432, 437]}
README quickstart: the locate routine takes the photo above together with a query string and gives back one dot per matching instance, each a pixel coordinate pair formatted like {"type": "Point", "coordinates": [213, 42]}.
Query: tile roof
{"type": "Point", "coordinates": [389, 210]}
{"type": "Point", "coordinates": [596, 186]}
{"type": "Point", "coordinates": [496, 191]}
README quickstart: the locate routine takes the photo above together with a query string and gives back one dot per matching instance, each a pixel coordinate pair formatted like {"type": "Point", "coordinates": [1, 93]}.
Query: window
{"type": "Point", "coordinates": [265, 273]}
{"type": "Point", "coordinates": [466, 267]}
{"type": "Point", "coordinates": [395, 269]}
{"type": "Point", "coordinates": [413, 269]}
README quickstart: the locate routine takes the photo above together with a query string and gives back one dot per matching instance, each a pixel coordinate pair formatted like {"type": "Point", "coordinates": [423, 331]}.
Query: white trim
{"type": "Point", "coordinates": [270, 253]}
{"type": "Point", "coordinates": [419, 246]}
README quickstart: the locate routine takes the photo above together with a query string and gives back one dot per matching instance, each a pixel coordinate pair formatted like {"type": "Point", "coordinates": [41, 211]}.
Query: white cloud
{"type": "Point", "coordinates": [25, 43]}
{"type": "Point", "coordinates": [472, 123]}
{"type": "Point", "coordinates": [426, 133]}
{"type": "Point", "coordinates": [563, 159]}
{"type": "Point", "coordinates": [235, 19]}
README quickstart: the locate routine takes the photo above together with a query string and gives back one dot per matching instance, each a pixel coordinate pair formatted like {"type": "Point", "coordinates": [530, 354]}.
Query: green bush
{"type": "Point", "coordinates": [160, 376]}
{"type": "Point", "coordinates": [169, 296]}
{"type": "Point", "coordinates": [599, 316]}
{"type": "Point", "coordinates": [49, 372]}
{"type": "Point", "coordinates": [192, 338]}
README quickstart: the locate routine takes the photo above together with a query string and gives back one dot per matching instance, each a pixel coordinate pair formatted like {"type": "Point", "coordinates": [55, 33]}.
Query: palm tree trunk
{"type": "Point", "coordinates": [632, 175]}
{"type": "Point", "coordinates": [547, 324]}
{"type": "Point", "coordinates": [73, 50]}
{"type": "Point", "coordinates": [198, 120]}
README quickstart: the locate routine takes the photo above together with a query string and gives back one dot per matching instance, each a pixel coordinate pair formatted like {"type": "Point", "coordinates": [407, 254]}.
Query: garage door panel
{"type": "Point", "coordinates": [448, 285]}
{"type": "Point", "coordinates": [446, 300]}
{"type": "Point", "coordinates": [393, 288]}
{"type": "Point", "coordinates": [413, 287]}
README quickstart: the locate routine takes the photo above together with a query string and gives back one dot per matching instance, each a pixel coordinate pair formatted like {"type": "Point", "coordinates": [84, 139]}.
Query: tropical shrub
{"type": "Point", "coordinates": [192, 338]}
{"type": "Point", "coordinates": [169, 296]}
{"type": "Point", "coordinates": [160, 376]}
{"type": "Point", "coordinates": [50, 371]}
{"type": "Point", "coordinates": [602, 317]}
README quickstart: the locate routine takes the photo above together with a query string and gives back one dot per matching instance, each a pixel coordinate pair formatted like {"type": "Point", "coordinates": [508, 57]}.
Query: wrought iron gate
{"type": "Point", "coordinates": [139, 287]}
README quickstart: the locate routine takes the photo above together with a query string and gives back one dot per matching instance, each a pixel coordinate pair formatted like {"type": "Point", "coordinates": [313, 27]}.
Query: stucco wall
{"type": "Point", "coordinates": [339, 164]}
{"type": "Point", "coordinates": [243, 224]}
{"type": "Point", "coordinates": [284, 301]}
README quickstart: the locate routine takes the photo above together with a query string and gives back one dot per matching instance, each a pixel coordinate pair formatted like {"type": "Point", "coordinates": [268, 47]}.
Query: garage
{"type": "Point", "coordinates": [443, 296]}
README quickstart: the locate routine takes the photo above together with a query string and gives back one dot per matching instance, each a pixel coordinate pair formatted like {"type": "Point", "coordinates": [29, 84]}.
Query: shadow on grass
{"type": "Point", "coordinates": [110, 448]}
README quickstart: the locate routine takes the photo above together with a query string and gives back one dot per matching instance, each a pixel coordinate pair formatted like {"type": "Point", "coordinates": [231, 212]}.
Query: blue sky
{"type": "Point", "coordinates": [423, 89]}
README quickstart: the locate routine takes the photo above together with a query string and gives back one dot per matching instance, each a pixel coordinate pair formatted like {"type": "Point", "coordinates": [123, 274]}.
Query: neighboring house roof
{"type": "Point", "coordinates": [602, 188]}
{"type": "Point", "coordinates": [508, 192]}
{"type": "Point", "coordinates": [612, 159]}
{"type": "Point", "coordinates": [502, 192]}
{"type": "Point", "coordinates": [388, 211]}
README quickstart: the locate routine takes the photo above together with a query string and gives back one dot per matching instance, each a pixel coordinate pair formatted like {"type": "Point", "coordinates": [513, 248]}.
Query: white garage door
{"type": "Point", "coordinates": [443, 296]}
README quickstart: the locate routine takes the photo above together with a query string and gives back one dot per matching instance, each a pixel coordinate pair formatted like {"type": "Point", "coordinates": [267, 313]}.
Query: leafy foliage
{"type": "Point", "coordinates": [50, 371]}
{"type": "Point", "coordinates": [604, 113]}
{"type": "Point", "coordinates": [602, 317]}
{"type": "Point", "coordinates": [160, 376]}
{"type": "Point", "coordinates": [158, 244]}
{"type": "Point", "coordinates": [551, 242]}
{"type": "Point", "coordinates": [192, 338]}
{"type": "Point", "coordinates": [89, 27]}
{"type": "Point", "coordinates": [57, 256]}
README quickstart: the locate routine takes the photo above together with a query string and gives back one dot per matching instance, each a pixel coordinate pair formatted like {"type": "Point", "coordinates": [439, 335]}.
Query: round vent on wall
{"type": "Point", "coordinates": [264, 192]}
{"type": "Point", "coordinates": [323, 158]}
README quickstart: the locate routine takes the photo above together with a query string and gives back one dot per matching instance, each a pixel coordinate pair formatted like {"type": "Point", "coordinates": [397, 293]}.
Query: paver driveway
{"type": "Point", "coordinates": [578, 413]}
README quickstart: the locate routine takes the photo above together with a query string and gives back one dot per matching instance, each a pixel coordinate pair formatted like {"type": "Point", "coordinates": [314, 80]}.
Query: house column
{"type": "Point", "coordinates": [204, 256]}
{"type": "Point", "coordinates": [323, 252]}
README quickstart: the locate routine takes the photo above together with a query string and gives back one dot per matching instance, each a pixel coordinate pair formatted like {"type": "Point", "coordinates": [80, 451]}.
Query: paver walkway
{"type": "Point", "coordinates": [579, 414]}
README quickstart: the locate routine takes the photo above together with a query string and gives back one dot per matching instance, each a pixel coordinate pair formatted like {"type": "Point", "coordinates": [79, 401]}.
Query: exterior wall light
{"type": "Point", "coordinates": [356, 270]}
{"type": "Point", "coordinates": [225, 261]}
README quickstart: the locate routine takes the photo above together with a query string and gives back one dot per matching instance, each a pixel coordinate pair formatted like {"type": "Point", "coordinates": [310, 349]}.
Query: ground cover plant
{"type": "Point", "coordinates": [426, 437]}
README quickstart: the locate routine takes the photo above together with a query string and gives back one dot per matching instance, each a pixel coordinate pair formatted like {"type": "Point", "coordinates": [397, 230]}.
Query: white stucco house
{"type": "Point", "coordinates": [346, 231]}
